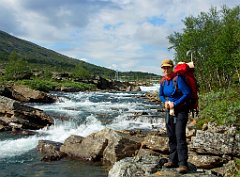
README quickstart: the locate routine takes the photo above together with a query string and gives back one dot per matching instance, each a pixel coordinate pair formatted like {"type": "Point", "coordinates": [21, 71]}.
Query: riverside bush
{"type": "Point", "coordinates": [222, 107]}
{"type": "Point", "coordinates": [46, 85]}
{"type": "Point", "coordinates": [237, 162]}
{"type": "Point", "coordinates": [37, 84]}
{"type": "Point", "coordinates": [79, 85]}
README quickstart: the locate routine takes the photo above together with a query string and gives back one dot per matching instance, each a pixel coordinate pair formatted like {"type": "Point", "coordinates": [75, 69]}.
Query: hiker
{"type": "Point", "coordinates": [176, 115]}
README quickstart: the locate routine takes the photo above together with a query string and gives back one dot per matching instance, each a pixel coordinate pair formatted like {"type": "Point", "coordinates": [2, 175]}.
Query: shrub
{"type": "Point", "coordinates": [42, 85]}
{"type": "Point", "coordinates": [222, 107]}
{"type": "Point", "coordinates": [48, 85]}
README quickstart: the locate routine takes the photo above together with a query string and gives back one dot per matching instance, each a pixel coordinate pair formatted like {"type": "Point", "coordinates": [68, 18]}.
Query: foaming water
{"type": "Point", "coordinates": [153, 88]}
{"type": "Point", "coordinates": [81, 114]}
{"type": "Point", "coordinates": [11, 148]}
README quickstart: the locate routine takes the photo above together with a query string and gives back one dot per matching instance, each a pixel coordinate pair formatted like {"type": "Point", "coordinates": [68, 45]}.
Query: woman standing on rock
{"type": "Point", "coordinates": [174, 93]}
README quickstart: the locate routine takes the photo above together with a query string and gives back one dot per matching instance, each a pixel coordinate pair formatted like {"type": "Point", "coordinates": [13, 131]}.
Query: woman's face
{"type": "Point", "coordinates": [167, 70]}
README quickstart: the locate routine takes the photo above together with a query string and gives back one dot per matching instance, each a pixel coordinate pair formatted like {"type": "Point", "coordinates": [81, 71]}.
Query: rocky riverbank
{"type": "Point", "coordinates": [212, 150]}
{"type": "Point", "coordinates": [15, 115]}
{"type": "Point", "coordinates": [142, 153]}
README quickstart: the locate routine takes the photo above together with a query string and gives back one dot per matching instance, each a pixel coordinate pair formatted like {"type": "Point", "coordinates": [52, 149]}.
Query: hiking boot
{"type": "Point", "coordinates": [182, 169]}
{"type": "Point", "coordinates": [170, 165]}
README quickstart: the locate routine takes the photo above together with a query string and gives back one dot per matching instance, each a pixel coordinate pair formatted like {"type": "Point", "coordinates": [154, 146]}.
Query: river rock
{"type": "Point", "coordinates": [50, 150]}
{"type": "Point", "coordinates": [120, 145]}
{"type": "Point", "coordinates": [25, 94]}
{"type": "Point", "coordinates": [89, 148]}
{"type": "Point", "coordinates": [227, 170]}
{"type": "Point", "coordinates": [157, 142]}
{"type": "Point", "coordinates": [17, 115]}
{"type": "Point", "coordinates": [107, 145]}
{"type": "Point", "coordinates": [131, 167]}
{"type": "Point", "coordinates": [206, 161]}
{"type": "Point", "coordinates": [133, 88]}
{"type": "Point", "coordinates": [151, 166]}
{"type": "Point", "coordinates": [206, 142]}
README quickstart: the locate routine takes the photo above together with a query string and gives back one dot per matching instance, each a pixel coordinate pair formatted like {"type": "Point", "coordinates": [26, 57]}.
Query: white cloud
{"type": "Point", "coordinates": [108, 33]}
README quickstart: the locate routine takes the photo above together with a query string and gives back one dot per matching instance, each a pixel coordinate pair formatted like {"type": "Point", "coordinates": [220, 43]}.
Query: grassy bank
{"type": "Point", "coordinates": [51, 85]}
{"type": "Point", "coordinates": [222, 107]}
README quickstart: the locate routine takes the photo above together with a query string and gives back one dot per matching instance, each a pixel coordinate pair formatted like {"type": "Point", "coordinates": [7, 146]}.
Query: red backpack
{"type": "Point", "coordinates": [187, 74]}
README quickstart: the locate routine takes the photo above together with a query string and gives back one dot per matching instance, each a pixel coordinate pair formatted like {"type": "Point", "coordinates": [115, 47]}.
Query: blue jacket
{"type": "Point", "coordinates": [168, 90]}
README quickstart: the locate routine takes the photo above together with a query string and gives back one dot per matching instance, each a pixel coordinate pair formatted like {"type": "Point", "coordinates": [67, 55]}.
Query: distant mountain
{"type": "Point", "coordinates": [37, 55]}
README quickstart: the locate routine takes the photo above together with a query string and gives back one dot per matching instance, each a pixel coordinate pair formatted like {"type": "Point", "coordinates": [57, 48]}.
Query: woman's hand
{"type": "Point", "coordinates": [166, 104]}
{"type": "Point", "coordinates": [169, 105]}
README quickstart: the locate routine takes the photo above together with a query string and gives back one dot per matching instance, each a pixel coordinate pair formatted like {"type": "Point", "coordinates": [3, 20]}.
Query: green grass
{"type": "Point", "coordinates": [49, 85]}
{"type": "Point", "coordinates": [237, 161]}
{"type": "Point", "coordinates": [222, 107]}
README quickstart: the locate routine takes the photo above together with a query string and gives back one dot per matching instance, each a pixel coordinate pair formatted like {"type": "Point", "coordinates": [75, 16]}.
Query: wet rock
{"type": "Point", "coordinates": [69, 89]}
{"type": "Point", "coordinates": [133, 88]}
{"type": "Point", "coordinates": [25, 94]}
{"type": "Point", "coordinates": [89, 148]}
{"type": "Point", "coordinates": [106, 145]}
{"type": "Point", "coordinates": [119, 146]}
{"type": "Point", "coordinates": [50, 150]}
{"type": "Point", "coordinates": [17, 115]}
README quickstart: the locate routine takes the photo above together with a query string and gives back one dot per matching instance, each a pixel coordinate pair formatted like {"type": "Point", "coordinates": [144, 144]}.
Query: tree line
{"type": "Point", "coordinates": [18, 68]}
{"type": "Point", "coordinates": [212, 41]}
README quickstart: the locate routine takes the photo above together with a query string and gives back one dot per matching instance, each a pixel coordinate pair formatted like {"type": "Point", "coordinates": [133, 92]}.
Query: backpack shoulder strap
{"type": "Point", "coordinates": [162, 81]}
{"type": "Point", "coordinates": [175, 82]}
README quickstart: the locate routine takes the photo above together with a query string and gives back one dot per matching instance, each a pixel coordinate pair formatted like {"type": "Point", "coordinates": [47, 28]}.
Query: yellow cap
{"type": "Point", "coordinates": [167, 62]}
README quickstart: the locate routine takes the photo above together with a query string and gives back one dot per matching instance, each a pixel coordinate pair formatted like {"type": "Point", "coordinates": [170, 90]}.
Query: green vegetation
{"type": "Point", "coordinates": [213, 40]}
{"type": "Point", "coordinates": [27, 63]}
{"type": "Point", "coordinates": [39, 56]}
{"type": "Point", "coordinates": [80, 72]}
{"type": "Point", "coordinates": [237, 161]}
{"type": "Point", "coordinates": [46, 86]}
{"type": "Point", "coordinates": [222, 107]}
{"type": "Point", "coordinates": [16, 68]}
{"type": "Point", "coordinates": [46, 61]}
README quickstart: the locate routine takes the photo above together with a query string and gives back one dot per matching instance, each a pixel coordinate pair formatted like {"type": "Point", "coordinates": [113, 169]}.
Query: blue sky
{"type": "Point", "coordinates": [124, 35]}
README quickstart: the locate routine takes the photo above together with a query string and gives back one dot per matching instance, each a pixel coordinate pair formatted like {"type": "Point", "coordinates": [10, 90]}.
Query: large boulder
{"type": "Point", "coordinates": [131, 167]}
{"type": "Point", "coordinates": [25, 94]}
{"type": "Point", "coordinates": [228, 169]}
{"type": "Point", "coordinates": [119, 146]}
{"type": "Point", "coordinates": [151, 166]}
{"type": "Point", "coordinates": [206, 142]}
{"type": "Point", "coordinates": [107, 145]}
{"type": "Point", "coordinates": [206, 161]}
{"type": "Point", "coordinates": [157, 142]}
{"type": "Point", "coordinates": [89, 148]}
{"type": "Point", "coordinates": [17, 115]}
{"type": "Point", "coordinates": [50, 150]}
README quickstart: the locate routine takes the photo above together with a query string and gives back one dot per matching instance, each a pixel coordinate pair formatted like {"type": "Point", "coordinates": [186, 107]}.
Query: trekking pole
{"type": "Point", "coordinates": [167, 113]}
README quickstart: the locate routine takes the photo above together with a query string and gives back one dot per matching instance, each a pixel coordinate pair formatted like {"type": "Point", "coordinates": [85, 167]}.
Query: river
{"type": "Point", "coordinates": [79, 113]}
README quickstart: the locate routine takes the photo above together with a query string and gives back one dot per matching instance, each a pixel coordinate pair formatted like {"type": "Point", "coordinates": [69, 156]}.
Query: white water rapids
{"type": "Point", "coordinates": [83, 113]}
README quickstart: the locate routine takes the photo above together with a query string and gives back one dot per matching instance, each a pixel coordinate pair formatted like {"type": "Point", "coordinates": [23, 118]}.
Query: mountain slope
{"type": "Point", "coordinates": [42, 57]}
{"type": "Point", "coordinates": [38, 55]}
